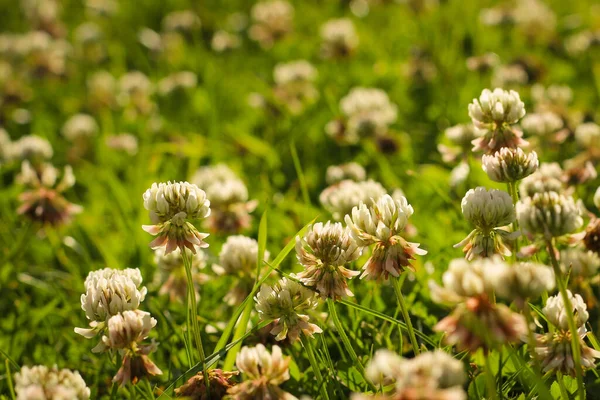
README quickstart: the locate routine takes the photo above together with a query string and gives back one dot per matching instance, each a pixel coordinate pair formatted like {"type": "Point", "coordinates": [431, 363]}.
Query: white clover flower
{"type": "Point", "coordinates": [178, 80]}
{"type": "Point", "coordinates": [108, 292]}
{"type": "Point", "coordinates": [223, 40]}
{"type": "Point", "coordinates": [463, 279]}
{"type": "Point", "coordinates": [32, 148]}
{"type": "Point", "coordinates": [294, 85]}
{"type": "Point", "coordinates": [381, 224]}
{"type": "Point", "coordinates": [368, 111]}
{"type": "Point", "coordinates": [556, 313]}
{"type": "Point", "coordinates": [125, 329]}
{"type": "Point", "coordinates": [597, 198]}
{"type": "Point", "coordinates": [560, 95]}
{"type": "Point", "coordinates": [488, 209]}
{"type": "Point", "coordinates": [435, 369]}
{"type": "Point", "coordinates": [350, 171]}
{"type": "Point", "coordinates": [579, 263]}
{"type": "Point", "coordinates": [135, 82]}
{"type": "Point", "coordinates": [588, 135]}
{"type": "Point", "coordinates": [463, 135]}
{"type": "Point", "coordinates": [272, 20]}
{"type": "Point", "coordinates": [520, 281]}
{"type": "Point", "coordinates": [285, 303]}
{"type": "Point", "coordinates": [43, 383]}
{"type": "Point", "coordinates": [513, 75]}
{"type": "Point", "coordinates": [340, 198]}
{"type": "Point", "coordinates": [124, 142]}
{"type": "Point", "coordinates": [459, 174]}
{"type": "Point", "coordinates": [294, 71]}
{"type": "Point", "coordinates": [184, 21]}
{"type": "Point", "coordinates": [542, 124]}
{"type": "Point", "coordinates": [238, 258]}
{"type": "Point", "coordinates": [385, 367]}
{"type": "Point", "coordinates": [172, 206]}
{"type": "Point", "coordinates": [498, 107]}
{"type": "Point", "coordinates": [324, 252]}
{"type": "Point", "coordinates": [509, 165]}
{"type": "Point", "coordinates": [104, 8]}
{"type": "Point", "coordinates": [80, 126]}
{"type": "Point", "coordinates": [548, 178]}
{"type": "Point", "coordinates": [483, 63]}
{"type": "Point", "coordinates": [339, 38]}
{"type": "Point", "coordinates": [5, 146]}
{"type": "Point", "coordinates": [549, 214]}
{"type": "Point", "coordinates": [264, 372]}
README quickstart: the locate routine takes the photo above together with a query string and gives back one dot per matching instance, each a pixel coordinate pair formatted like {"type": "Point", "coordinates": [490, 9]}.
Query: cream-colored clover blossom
{"type": "Point", "coordinates": [172, 207]}
{"type": "Point", "coordinates": [294, 87]}
{"type": "Point", "coordinates": [520, 281]}
{"type": "Point", "coordinates": [271, 21]}
{"type": "Point", "coordinates": [238, 258]}
{"type": "Point", "coordinates": [350, 171]}
{"type": "Point", "coordinates": [178, 80]}
{"type": "Point", "coordinates": [340, 198]}
{"type": "Point", "coordinates": [509, 165]}
{"type": "Point", "coordinates": [548, 178]}
{"type": "Point", "coordinates": [496, 112]}
{"type": "Point", "coordinates": [80, 127]}
{"type": "Point", "coordinates": [431, 375]}
{"type": "Point", "coordinates": [554, 348]}
{"type": "Point", "coordinates": [579, 263]}
{"type": "Point", "coordinates": [488, 211]}
{"type": "Point", "coordinates": [108, 292]}
{"type": "Point", "coordinates": [264, 372]}
{"type": "Point", "coordinates": [324, 252]}
{"type": "Point", "coordinates": [339, 38]}
{"type": "Point", "coordinates": [588, 135]}
{"type": "Point", "coordinates": [463, 135]}
{"type": "Point", "coordinates": [5, 146]}
{"type": "Point", "coordinates": [597, 198]}
{"type": "Point", "coordinates": [509, 75]}
{"type": "Point", "coordinates": [542, 124]}
{"type": "Point", "coordinates": [171, 275]}
{"type": "Point", "coordinates": [42, 383]}
{"type": "Point", "coordinates": [557, 95]}
{"type": "Point", "coordinates": [381, 224]}
{"type": "Point", "coordinates": [286, 303]}
{"type": "Point", "coordinates": [368, 112]}
{"type": "Point", "coordinates": [32, 148]}
{"type": "Point", "coordinates": [294, 71]}
{"type": "Point", "coordinates": [219, 383]}
{"type": "Point", "coordinates": [549, 214]}
{"type": "Point", "coordinates": [182, 21]}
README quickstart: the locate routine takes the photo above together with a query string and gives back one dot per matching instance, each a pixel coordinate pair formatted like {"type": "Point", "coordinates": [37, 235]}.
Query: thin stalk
{"type": "Point", "coordinates": [411, 332]}
{"type": "Point", "coordinates": [490, 379]}
{"type": "Point", "coordinates": [310, 352]}
{"type": "Point", "coordinates": [9, 380]}
{"type": "Point", "coordinates": [195, 329]}
{"type": "Point", "coordinates": [530, 335]}
{"type": "Point", "coordinates": [575, 348]}
{"type": "Point", "coordinates": [346, 341]}
{"type": "Point", "coordinates": [512, 190]}
{"type": "Point", "coordinates": [561, 384]}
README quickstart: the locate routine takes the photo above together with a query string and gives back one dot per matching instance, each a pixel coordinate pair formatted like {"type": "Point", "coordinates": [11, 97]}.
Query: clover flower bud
{"type": "Point", "coordinates": [381, 224]}
{"type": "Point", "coordinates": [272, 20]}
{"type": "Point", "coordinates": [43, 383]}
{"type": "Point", "coordinates": [542, 124]}
{"type": "Point", "coordinates": [172, 206]}
{"type": "Point", "coordinates": [340, 198]}
{"type": "Point", "coordinates": [264, 372]}
{"type": "Point", "coordinates": [339, 38]}
{"type": "Point", "coordinates": [80, 127]}
{"type": "Point", "coordinates": [171, 277]}
{"type": "Point", "coordinates": [107, 293]}
{"type": "Point", "coordinates": [285, 303]}
{"type": "Point", "coordinates": [350, 171]}
{"type": "Point", "coordinates": [579, 263]}
{"type": "Point", "coordinates": [238, 259]}
{"type": "Point", "coordinates": [181, 21]}
{"type": "Point", "coordinates": [324, 252]}
{"type": "Point", "coordinates": [509, 165]}
{"type": "Point", "coordinates": [488, 211]}
{"type": "Point", "coordinates": [588, 135]}
{"type": "Point", "coordinates": [548, 178]}
{"type": "Point", "coordinates": [219, 383]}
{"type": "Point", "coordinates": [549, 214]}
{"type": "Point", "coordinates": [555, 311]}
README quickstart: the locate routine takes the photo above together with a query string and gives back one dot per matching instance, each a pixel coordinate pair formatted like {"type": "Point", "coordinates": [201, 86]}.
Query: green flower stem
{"type": "Point", "coordinates": [575, 348]}
{"type": "Point", "coordinates": [194, 328]}
{"type": "Point", "coordinates": [561, 384]}
{"type": "Point", "coordinates": [411, 332]}
{"type": "Point", "coordinates": [530, 335]}
{"type": "Point", "coordinates": [310, 352]}
{"type": "Point", "coordinates": [346, 341]}
{"type": "Point", "coordinates": [490, 379]}
{"type": "Point", "coordinates": [512, 190]}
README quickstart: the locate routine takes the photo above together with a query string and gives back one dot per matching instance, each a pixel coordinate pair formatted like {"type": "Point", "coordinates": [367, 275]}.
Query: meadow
{"type": "Point", "coordinates": [285, 199]}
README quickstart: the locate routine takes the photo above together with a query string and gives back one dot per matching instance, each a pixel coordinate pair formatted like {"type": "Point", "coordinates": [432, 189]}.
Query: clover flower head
{"type": "Point", "coordinates": [549, 214]}
{"type": "Point", "coordinates": [597, 198]}
{"type": "Point", "coordinates": [80, 126]}
{"type": "Point", "coordinates": [177, 81]}
{"type": "Point", "coordinates": [264, 372]}
{"type": "Point", "coordinates": [223, 41]}
{"type": "Point", "coordinates": [555, 311]}
{"type": "Point", "coordinates": [195, 388]}
{"type": "Point", "coordinates": [521, 281]}
{"type": "Point", "coordinates": [5, 146]}
{"type": "Point", "coordinates": [350, 171]}
{"type": "Point", "coordinates": [171, 275]}
{"type": "Point", "coordinates": [272, 20]}
{"type": "Point", "coordinates": [511, 75]}
{"type": "Point", "coordinates": [548, 178]}
{"type": "Point", "coordinates": [463, 279]}
{"type": "Point", "coordinates": [340, 198]}
{"type": "Point", "coordinates": [285, 303]}
{"type": "Point", "coordinates": [368, 112]}
{"type": "Point", "coordinates": [339, 38]}
{"type": "Point", "coordinates": [43, 383]}
{"type": "Point", "coordinates": [579, 263]}
{"type": "Point", "coordinates": [588, 135]}
{"type": "Point", "coordinates": [488, 209]}
{"type": "Point", "coordinates": [172, 206]}
{"type": "Point", "coordinates": [107, 293]}
{"type": "Point", "coordinates": [385, 367]}
{"type": "Point", "coordinates": [509, 165]}
{"type": "Point", "coordinates": [294, 72]}
{"type": "Point", "coordinates": [43, 199]}
{"type": "Point", "coordinates": [496, 108]}
{"type": "Point", "coordinates": [32, 148]}
{"type": "Point", "coordinates": [462, 135]}
{"type": "Point", "coordinates": [181, 21]}
{"type": "Point", "coordinates": [542, 124]}
{"type": "Point", "coordinates": [125, 142]}
{"type": "Point", "coordinates": [324, 252]}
